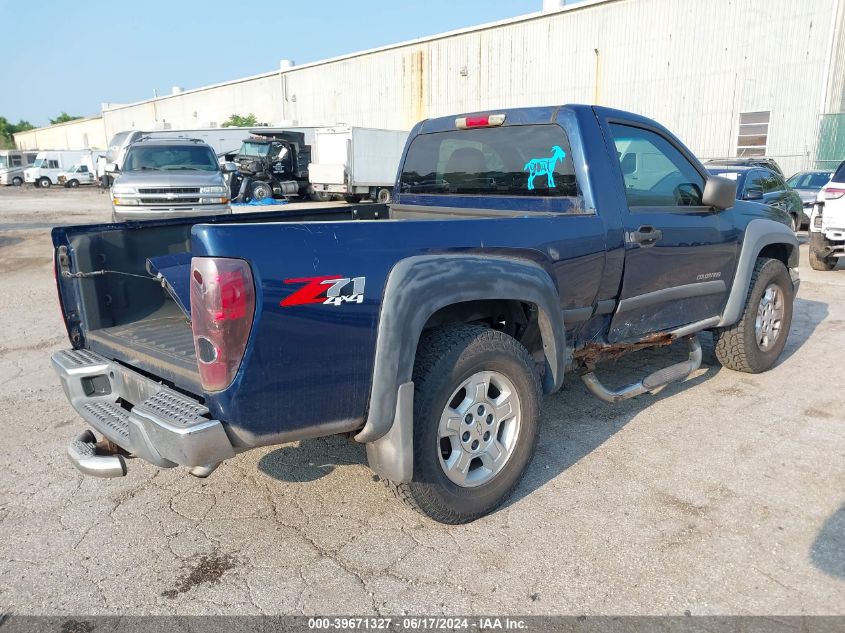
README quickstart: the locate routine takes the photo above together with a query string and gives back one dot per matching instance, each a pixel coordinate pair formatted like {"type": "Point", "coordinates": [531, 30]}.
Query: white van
{"type": "Point", "coordinates": [49, 165]}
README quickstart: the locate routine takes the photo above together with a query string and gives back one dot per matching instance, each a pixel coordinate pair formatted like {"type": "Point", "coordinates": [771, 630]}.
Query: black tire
{"type": "Point", "coordinates": [446, 357]}
{"type": "Point", "coordinates": [320, 196]}
{"type": "Point", "coordinates": [45, 183]}
{"type": "Point", "coordinates": [736, 346]}
{"type": "Point", "coordinates": [73, 184]}
{"type": "Point", "coordinates": [17, 181]}
{"type": "Point", "coordinates": [352, 199]}
{"type": "Point", "coordinates": [818, 262]}
{"type": "Point", "coordinates": [260, 190]}
{"type": "Point", "coordinates": [384, 196]}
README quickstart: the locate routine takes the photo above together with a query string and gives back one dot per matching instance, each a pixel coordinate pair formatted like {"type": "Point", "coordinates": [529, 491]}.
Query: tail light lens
{"type": "Point", "coordinates": [222, 309]}
{"type": "Point", "coordinates": [833, 193]}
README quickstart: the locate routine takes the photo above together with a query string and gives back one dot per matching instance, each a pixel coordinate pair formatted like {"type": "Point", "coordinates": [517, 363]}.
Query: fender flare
{"type": "Point", "coordinates": [417, 287]}
{"type": "Point", "coordinates": [759, 233]}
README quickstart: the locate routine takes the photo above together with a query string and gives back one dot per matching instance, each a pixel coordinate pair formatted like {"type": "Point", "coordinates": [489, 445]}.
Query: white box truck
{"type": "Point", "coordinates": [356, 162]}
{"type": "Point", "coordinates": [49, 165]}
{"type": "Point", "coordinates": [12, 164]}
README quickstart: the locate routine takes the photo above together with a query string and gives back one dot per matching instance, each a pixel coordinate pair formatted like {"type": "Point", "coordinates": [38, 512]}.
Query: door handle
{"type": "Point", "coordinates": [646, 236]}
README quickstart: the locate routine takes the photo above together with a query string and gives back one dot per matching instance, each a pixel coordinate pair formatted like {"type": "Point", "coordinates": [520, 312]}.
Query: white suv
{"type": "Point", "coordinates": [827, 223]}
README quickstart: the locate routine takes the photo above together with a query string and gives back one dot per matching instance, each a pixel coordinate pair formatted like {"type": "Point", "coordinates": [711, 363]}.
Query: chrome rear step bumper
{"type": "Point", "coordinates": [144, 417]}
{"type": "Point", "coordinates": [82, 452]}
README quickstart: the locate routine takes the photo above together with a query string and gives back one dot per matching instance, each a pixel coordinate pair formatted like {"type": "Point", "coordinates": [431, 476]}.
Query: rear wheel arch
{"type": "Point", "coordinates": [423, 288]}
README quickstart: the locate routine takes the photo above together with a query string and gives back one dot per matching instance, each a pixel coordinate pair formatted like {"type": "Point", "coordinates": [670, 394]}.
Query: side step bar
{"type": "Point", "coordinates": [652, 383]}
{"type": "Point", "coordinates": [82, 452]}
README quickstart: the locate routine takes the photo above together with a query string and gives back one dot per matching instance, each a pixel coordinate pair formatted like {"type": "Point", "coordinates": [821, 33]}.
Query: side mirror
{"type": "Point", "coordinates": [112, 168]}
{"type": "Point", "coordinates": [753, 194]}
{"type": "Point", "coordinates": [719, 193]}
{"type": "Point", "coordinates": [228, 167]}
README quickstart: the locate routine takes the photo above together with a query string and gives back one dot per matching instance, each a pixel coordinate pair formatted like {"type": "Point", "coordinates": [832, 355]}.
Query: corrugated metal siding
{"type": "Point", "coordinates": [82, 134]}
{"type": "Point", "coordinates": [692, 65]}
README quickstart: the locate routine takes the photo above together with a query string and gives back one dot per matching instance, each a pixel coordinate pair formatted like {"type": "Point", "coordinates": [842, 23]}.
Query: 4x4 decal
{"type": "Point", "coordinates": [332, 290]}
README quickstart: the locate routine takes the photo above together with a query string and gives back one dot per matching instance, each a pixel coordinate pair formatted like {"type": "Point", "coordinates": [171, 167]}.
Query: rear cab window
{"type": "Point", "coordinates": [520, 161]}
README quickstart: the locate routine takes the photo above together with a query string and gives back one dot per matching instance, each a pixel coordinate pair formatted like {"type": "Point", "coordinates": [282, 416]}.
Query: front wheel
{"type": "Point", "coordinates": [754, 343]}
{"type": "Point", "coordinates": [476, 411]}
{"type": "Point", "coordinates": [73, 184]}
{"type": "Point", "coordinates": [260, 190]}
{"type": "Point", "coordinates": [45, 183]}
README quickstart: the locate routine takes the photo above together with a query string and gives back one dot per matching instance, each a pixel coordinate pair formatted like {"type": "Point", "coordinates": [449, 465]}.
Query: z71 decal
{"type": "Point", "coordinates": [331, 290]}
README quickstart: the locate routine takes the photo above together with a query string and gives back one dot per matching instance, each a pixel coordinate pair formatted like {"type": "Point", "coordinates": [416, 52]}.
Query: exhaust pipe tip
{"type": "Point", "coordinates": [202, 472]}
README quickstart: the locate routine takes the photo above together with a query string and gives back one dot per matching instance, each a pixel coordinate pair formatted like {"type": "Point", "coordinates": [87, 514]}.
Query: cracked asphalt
{"type": "Point", "coordinates": [723, 495]}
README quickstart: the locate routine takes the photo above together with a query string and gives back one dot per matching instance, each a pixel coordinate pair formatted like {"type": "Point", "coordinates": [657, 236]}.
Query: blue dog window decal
{"type": "Point", "coordinates": [544, 167]}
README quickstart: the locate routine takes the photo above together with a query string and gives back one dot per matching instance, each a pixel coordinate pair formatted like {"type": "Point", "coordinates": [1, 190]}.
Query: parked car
{"type": "Point", "coordinates": [807, 184]}
{"type": "Point", "coordinates": [827, 223]}
{"type": "Point", "coordinates": [163, 178]}
{"type": "Point", "coordinates": [747, 161]}
{"type": "Point", "coordinates": [763, 185]}
{"type": "Point", "coordinates": [78, 175]}
{"type": "Point", "coordinates": [522, 246]}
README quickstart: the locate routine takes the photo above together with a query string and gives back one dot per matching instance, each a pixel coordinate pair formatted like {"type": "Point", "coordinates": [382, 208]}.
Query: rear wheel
{"type": "Point", "coordinates": [45, 183]}
{"type": "Point", "coordinates": [352, 199]}
{"type": "Point", "coordinates": [754, 343]}
{"type": "Point", "coordinates": [17, 181]}
{"type": "Point", "coordinates": [383, 196]}
{"type": "Point", "coordinates": [476, 411]}
{"type": "Point", "coordinates": [320, 196]}
{"type": "Point", "coordinates": [818, 261]}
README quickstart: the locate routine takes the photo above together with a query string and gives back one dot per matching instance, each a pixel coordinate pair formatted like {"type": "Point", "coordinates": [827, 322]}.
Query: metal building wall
{"type": "Point", "coordinates": [86, 133]}
{"type": "Point", "coordinates": [207, 107]}
{"type": "Point", "coordinates": [694, 65]}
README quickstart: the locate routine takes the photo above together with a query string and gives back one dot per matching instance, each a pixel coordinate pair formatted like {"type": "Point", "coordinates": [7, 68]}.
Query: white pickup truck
{"type": "Point", "coordinates": [827, 223]}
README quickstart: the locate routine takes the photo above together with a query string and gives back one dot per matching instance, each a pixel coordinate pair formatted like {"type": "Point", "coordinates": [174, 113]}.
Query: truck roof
{"type": "Point", "coordinates": [536, 115]}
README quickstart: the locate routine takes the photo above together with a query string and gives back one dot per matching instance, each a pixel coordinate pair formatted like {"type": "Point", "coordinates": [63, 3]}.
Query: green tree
{"type": "Point", "coordinates": [238, 120]}
{"type": "Point", "coordinates": [64, 117]}
{"type": "Point", "coordinates": [7, 129]}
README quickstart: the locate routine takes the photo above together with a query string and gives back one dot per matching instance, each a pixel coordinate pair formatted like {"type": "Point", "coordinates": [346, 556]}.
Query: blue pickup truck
{"type": "Point", "coordinates": [522, 246]}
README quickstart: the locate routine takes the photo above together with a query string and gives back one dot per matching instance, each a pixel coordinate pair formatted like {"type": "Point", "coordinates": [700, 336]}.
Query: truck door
{"type": "Point", "coordinates": [679, 254]}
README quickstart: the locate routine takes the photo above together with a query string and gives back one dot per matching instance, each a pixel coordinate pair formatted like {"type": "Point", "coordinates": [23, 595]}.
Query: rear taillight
{"type": "Point", "coordinates": [833, 193]}
{"type": "Point", "coordinates": [222, 308]}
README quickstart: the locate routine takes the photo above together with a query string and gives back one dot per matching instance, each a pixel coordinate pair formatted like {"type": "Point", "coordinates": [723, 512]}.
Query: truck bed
{"type": "Point", "coordinates": [160, 343]}
{"type": "Point", "coordinates": [133, 320]}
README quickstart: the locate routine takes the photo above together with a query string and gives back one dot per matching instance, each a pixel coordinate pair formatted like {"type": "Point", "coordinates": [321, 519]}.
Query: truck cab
{"type": "Point", "coordinates": [163, 178]}
{"type": "Point", "coordinates": [272, 166]}
{"type": "Point", "coordinates": [77, 175]}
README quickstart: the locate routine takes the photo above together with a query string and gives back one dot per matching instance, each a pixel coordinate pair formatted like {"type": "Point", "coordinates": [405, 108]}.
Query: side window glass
{"type": "Point", "coordinates": [772, 183]}
{"type": "Point", "coordinates": [655, 172]}
{"type": "Point", "coordinates": [753, 186]}
{"type": "Point", "coordinates": [16, 161]}
{"type": "Point", "coordinates": [518, 160]}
